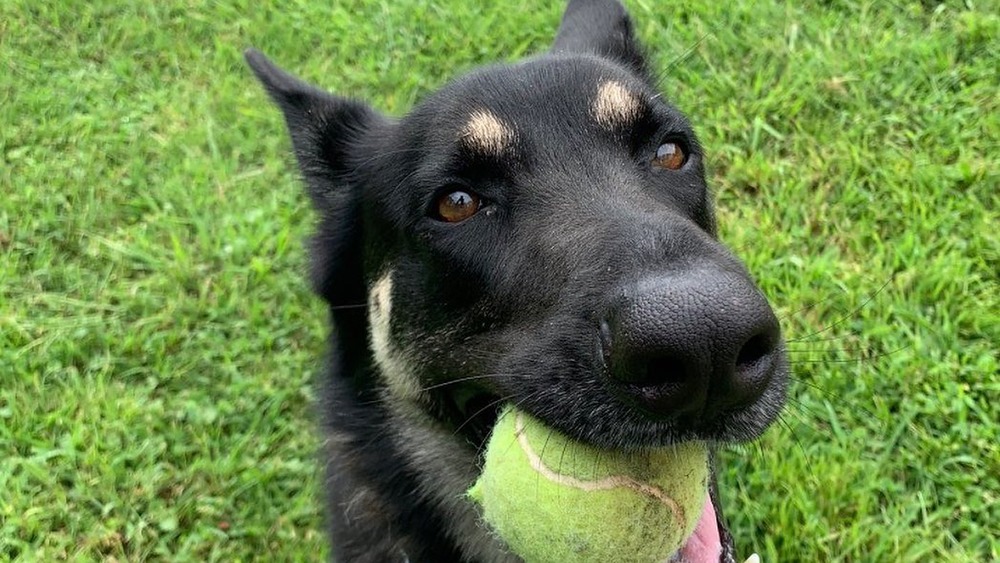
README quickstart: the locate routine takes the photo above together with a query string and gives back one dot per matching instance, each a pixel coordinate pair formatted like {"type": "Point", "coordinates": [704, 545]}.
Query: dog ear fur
{"type": "Point", "coordinates": [602, 28]}
{"type": "Point", "coordinates": [325, 129]}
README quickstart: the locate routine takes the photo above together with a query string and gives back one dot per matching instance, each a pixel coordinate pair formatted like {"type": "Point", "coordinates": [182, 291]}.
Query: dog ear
{"type": "Point", "coordinates": [603, 28]}
{"type": "Point", "coordinates": [326, 132]}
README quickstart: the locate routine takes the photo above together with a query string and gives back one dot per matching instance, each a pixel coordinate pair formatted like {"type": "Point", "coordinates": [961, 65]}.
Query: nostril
{"type": "Point", "coordinates": [759, 345]}
{"type": "Point", "coordinates": [662, 371]}
{"type": "Point", "coordinates": [663, 385]}
{"type": "Point", "coordinates": [754, 366]}
{"type": "Point", "coordinates": [605, 342]}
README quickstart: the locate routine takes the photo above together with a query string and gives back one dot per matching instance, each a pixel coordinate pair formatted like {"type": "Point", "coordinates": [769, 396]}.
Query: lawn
{"type": "Point", "coordinates": [158, 340]}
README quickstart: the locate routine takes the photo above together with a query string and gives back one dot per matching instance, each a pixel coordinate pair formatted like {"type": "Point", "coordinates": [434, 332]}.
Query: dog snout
{"type": "Point", "coordinates": [691, 345]}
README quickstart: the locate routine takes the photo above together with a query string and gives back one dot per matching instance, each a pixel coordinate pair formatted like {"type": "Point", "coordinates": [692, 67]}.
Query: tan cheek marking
{"type": "Point", "coordinates": [614, 105]}
{"type": "Point", "coordinates": [391, 362]}
{"type": "Point", "coordinates": [486, 133]}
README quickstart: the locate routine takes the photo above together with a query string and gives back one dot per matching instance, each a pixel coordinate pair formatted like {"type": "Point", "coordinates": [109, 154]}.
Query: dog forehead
{"type": "Point", "coordinates": [492, 107]}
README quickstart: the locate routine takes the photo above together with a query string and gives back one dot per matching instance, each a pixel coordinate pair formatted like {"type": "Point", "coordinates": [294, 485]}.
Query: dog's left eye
{"type": "Point", "coordinates": [670, 156]}
{"type": "Point", "coordinates": [457, 206]}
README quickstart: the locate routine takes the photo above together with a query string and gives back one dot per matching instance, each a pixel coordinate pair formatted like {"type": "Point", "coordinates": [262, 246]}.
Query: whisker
{"type": "Point", "coordinates": [341, 307]}
{"type": "Point", "coordinates": [814, 386]}
{"type": "Point", "coordinates": [815, 350]}
{"type": "Point", "coordinates": [472, 378]}
{"type": "Point", "coordinates": [809, 305]}
{"type": "Point", "coordinates": [852, 313]}
{"type": "Point", "coordinates": [798, 443]}
{"type": "Point", "coordinates": [687, 53]}
{"type": "Point", "coordinates": [488, 406]}
{"type": "Point", "coordinates": [513, 399]}
{"type": "Point", "coordinates": [862, 359]}
{"type": "Point", "coordinates": [824, 339]}
{"type": "Point", "coordinates": [803, 410]}
{"type": "Point", "coordinates": [387, 154]}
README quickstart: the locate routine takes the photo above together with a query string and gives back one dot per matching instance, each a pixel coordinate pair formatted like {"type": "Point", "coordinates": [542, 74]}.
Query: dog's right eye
{"type": "Point", "coordinates": [670, 156]}
{"type": "Point", "coordinates": [457, 206]}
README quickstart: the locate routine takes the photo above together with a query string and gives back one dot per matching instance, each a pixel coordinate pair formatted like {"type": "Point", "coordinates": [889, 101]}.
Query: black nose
{"type": "Point", "coordinates": [691, 345]}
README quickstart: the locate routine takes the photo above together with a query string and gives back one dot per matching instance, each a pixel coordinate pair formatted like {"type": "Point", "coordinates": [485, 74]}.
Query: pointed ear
{"type": "Point", "coordinates": [603, 28]}
{"type": "Point", "coordinates": [326, 133]}
{"type": "Point", "coordinates": [324, 128]}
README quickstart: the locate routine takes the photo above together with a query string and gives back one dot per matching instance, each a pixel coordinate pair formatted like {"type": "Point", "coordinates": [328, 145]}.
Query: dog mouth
{"type": "Point", "coordinates": [598, 419]}
{"type": "Point", "coordinates": [582, 400]}
{"type": "Point", "coordinates": [710, 542]}
{"type": "Point", "coordinates": [475, 414]}
{"type": "Point", "coordinates": [705, 543]}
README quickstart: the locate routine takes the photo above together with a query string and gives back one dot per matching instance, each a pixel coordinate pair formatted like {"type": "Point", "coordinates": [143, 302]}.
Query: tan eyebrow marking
{"type": "Point", "coordinates": [614, 105]}
{"type": "Point", "coordinates": [485, 132]}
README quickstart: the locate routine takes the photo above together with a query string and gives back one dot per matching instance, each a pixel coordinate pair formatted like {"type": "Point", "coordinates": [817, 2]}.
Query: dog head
{"type": "Point", "coordinates": [538, 233]}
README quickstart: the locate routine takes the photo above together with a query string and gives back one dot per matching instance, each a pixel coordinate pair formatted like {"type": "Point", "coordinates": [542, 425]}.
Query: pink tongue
{"type": "Point", "coordinates": [704, 545]}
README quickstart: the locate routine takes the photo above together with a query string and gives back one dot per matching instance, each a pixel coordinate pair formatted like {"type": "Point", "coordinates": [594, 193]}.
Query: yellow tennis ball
{"type": "Point", "coordinates": [555, 500]}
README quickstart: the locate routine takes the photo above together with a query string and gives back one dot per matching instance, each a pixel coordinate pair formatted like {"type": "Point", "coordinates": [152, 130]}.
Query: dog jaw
{"type": "Point", "coordinates": [445, 465]}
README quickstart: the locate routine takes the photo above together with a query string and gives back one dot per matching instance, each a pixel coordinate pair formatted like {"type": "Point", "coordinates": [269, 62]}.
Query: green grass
{"type": "Point", "coordinates": [157, 338]}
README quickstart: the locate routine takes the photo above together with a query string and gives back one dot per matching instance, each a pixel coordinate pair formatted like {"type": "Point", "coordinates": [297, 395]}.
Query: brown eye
{"type": "Point", "coordinates": [457, 206]}
{"type": "Point", "coordinates": [670, 156]}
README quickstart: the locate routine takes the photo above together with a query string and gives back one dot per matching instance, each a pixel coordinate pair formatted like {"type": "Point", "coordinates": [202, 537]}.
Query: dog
{"type": "Point", "coordinates": [537, 233]}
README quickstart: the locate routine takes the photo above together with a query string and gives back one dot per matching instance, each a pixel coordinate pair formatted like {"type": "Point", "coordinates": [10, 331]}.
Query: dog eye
{"type": "Point", "coordinates": [670, 156]}
{"type": "Point", "coordinates": [457, 206]}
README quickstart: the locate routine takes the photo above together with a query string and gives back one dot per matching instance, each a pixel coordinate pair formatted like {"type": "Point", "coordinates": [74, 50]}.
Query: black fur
{"type": "Point", "coordinates": [566, 293]}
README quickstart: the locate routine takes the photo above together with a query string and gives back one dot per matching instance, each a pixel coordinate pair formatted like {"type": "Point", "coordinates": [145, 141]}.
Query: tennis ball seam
{"type": "Point", "coordinates": [606, 483]}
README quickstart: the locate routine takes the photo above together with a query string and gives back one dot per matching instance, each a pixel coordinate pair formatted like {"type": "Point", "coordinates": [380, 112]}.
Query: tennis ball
{"type": "Point", "coordinates": [555, 500]}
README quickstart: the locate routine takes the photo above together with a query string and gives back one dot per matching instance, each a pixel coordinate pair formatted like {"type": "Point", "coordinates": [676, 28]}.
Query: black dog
{"type": "Point", "coordinates": [537, 233]}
